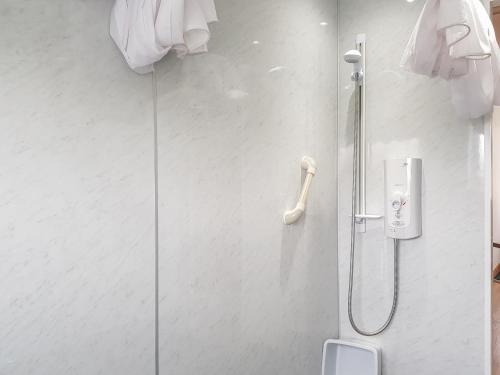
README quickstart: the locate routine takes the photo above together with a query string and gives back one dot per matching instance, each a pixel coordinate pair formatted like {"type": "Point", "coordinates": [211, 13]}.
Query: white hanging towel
{"type": "Point", "coordinates": [456, 40]}
{"type": "Point", "coordinates": [146, 30]}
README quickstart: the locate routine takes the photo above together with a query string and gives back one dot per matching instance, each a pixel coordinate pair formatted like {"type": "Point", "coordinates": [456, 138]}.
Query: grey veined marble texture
{"type": "Point", "coordinates": [76, 195]}
{"type": "Point", "coordinates": [440, 321]}
{"type": "Point", "coordinates": [240, 293]}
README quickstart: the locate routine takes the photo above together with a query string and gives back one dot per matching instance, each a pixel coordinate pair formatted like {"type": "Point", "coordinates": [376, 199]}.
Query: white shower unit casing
{"type": "Point", "coordinates": [403, 198]}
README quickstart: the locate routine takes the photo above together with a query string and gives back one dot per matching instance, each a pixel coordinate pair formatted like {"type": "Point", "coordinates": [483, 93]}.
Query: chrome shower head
{"type": "Point", "coordinates": [354, 57]}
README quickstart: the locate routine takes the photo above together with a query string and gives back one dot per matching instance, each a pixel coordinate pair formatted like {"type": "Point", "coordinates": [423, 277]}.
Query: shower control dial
{"type": "Point", "coordinates": [396, 205]}
{"type": "Point", "coordinates": [397, 202]}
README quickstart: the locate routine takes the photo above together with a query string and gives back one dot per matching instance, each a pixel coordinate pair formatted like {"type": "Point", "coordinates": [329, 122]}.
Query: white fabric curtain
{"type": "Point", "coordinates": [146, 30]}
{"type": "Point", "coordinates": [455, 39]}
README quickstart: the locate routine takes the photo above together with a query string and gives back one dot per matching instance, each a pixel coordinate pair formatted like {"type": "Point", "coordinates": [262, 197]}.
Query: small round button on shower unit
{"type": "Point", "coordinates": [396, 205]}
{"type": "Point", "coordinates": [397, 201]}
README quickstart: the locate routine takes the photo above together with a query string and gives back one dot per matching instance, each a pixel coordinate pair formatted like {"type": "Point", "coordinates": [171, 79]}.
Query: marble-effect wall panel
{"type": "Point", "coordinates": [439, 324]}
{"type": "Point", "coordinates": [240, 293]}
{"type": "Point", "coordinates": [76, 195]}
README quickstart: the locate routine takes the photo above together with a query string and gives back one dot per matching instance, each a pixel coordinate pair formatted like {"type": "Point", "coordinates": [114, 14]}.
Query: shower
{"type": "Point", "coordinates": [402, 181]}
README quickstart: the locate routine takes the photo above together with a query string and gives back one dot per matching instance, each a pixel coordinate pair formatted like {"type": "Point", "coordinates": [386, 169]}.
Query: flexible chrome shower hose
{"type": "Point", "coordinates": [353, 248]}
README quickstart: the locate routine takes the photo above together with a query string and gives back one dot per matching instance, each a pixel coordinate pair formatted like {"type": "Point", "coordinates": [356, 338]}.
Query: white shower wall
{"type": "Point", "coordinates": [439, 326]}
{"type": "Point", "coordinates": [241, 293]}
{"type": "Point", "coordinates": [76, 195]}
